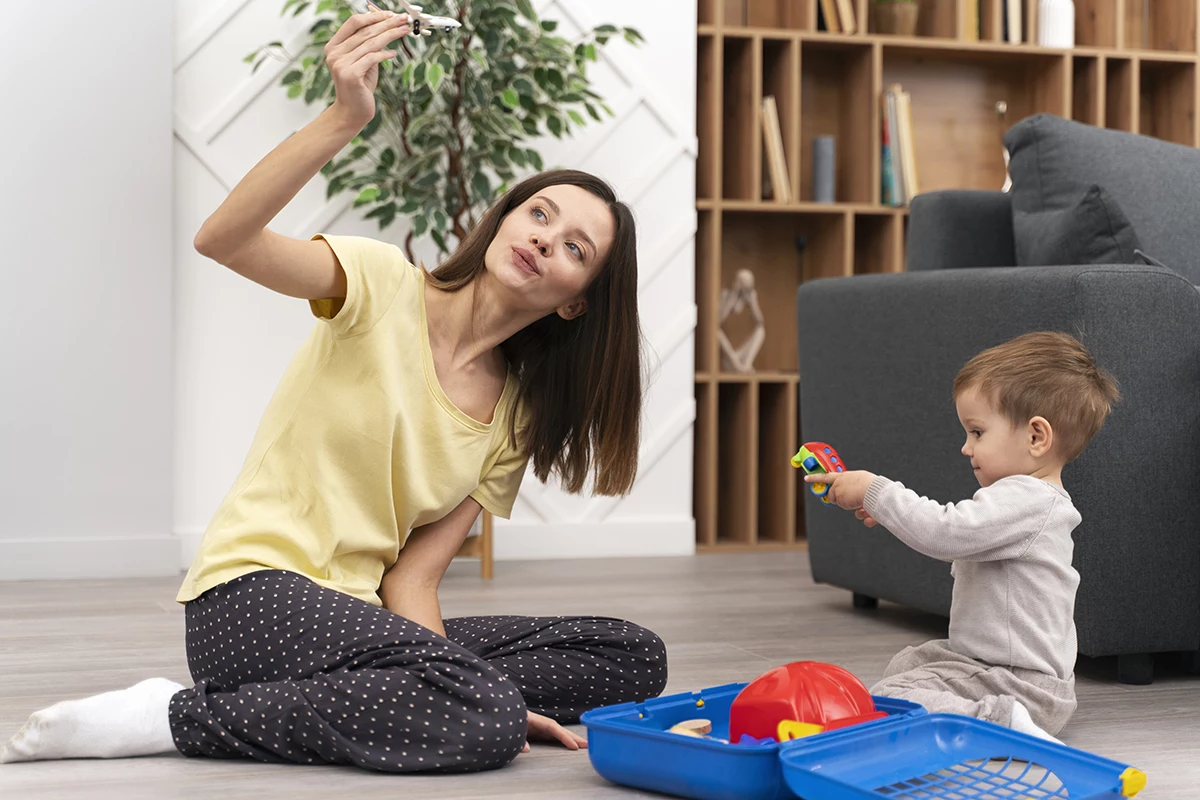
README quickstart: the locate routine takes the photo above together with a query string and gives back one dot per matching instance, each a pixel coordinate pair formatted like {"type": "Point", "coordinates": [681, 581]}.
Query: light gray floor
{"type": "Point", "coordinates": [724, 618]}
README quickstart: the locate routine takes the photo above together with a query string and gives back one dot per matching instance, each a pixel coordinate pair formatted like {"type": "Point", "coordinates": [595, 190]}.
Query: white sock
{"type": "Point", "coordinates": [129, 722]}
{"type": "Point", "coordinates": [1023, 723]}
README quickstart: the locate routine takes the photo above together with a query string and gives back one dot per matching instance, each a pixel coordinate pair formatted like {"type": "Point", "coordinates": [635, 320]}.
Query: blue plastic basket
{"type": "Point", "coordinates": [948, 757]}
{"type": "Point", "coordinates": [629, 744]}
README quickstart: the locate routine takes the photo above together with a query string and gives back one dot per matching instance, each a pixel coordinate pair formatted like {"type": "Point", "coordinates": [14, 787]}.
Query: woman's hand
{"type": "Point", "coordinates": [354, 54]}
{"type": "Point", "coordinates": [547, 730]}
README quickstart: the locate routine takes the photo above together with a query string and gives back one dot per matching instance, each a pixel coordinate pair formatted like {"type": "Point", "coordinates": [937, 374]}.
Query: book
{"type": "Point", "coordinates": [970, 31]}
{"type": "Point", "coordinates": [846, 15]}
{"type": "Point", "coordinates": [908, 153]}
{"type": "Point", "coordinates": [899, 156]}
{"type": "Point", "coordinates": [887, 171]}
{"type": "Point", "coordinates": [829, 13]}
{"type": "Point", "coordinates": [781, 184]}
{"type": "Point", "coordinates": [894, 136]}
{"type": "Point", "coordinates": [1013, 20]}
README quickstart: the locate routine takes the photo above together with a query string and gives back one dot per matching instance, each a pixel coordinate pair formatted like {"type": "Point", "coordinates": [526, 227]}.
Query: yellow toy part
{"type": "Point", "coordinates": [793, 729]}
{"type": "Point", "coordinates": [1132, 782]}
{"type": "Point", "coordinates": [811, 463]}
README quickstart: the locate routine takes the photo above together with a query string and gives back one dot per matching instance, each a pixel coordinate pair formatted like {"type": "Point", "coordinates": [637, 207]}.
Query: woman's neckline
{"type": "Point", "coordinates": [435, 385]}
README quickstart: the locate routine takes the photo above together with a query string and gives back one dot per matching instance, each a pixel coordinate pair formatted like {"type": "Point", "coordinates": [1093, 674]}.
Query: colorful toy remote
{"type": "Point", "coordinates": [818, 458]}
{"type": "Point", "coordinates": [800, 699]}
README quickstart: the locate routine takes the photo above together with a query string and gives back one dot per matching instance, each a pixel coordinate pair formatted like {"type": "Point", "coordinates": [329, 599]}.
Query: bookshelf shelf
{"type": "Point", "coordinates": [1134, 68]}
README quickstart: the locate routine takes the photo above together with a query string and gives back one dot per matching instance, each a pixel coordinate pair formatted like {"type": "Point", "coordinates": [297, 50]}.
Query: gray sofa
{"type": "Point", "coordinates": [1099, 237]}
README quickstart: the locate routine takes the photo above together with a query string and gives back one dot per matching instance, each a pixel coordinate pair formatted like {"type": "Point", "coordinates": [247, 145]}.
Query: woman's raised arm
{"type": "Point", "coordinates": [236, 234]}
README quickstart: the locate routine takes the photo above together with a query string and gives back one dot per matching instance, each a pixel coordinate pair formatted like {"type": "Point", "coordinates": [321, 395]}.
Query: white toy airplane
{"type": "Point", "coordinates": [422, 24]}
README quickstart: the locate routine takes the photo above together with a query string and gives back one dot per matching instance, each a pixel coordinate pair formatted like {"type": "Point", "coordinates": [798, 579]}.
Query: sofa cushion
{"type": "Point", "coordinates": [1092, 230]}
{"type": "Point", "coordinates": [1053, 161]}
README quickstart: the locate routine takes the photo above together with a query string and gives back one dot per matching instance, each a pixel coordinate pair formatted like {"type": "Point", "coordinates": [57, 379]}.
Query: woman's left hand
{"type": "Point", "coordinates": [547, 730]}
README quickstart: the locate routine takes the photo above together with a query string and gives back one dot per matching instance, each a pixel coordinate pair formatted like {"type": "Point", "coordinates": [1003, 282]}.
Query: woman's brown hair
{"type": "Point", "coordinates": [581, 379]}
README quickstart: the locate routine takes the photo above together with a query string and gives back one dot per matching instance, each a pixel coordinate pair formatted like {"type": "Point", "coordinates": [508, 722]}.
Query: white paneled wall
{"type": "Point", "coordinates": [233, 338]}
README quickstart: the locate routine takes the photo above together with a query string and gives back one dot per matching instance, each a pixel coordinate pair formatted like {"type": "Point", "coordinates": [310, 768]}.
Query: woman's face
{"type": "Point", "coordinates": [549, 248]}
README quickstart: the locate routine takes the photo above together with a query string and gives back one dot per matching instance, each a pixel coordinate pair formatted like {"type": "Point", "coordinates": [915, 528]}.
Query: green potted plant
{"type": "Point", "coordinates": [897, 17]}
{"type": "Point", "coordinates": [456, 111]}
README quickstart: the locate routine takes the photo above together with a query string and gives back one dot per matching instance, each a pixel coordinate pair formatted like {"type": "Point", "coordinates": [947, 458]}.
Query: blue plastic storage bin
{"type": "Point", "coordinates": [948, 756]}
{"type": "Point", "coordinates": [629, 744]}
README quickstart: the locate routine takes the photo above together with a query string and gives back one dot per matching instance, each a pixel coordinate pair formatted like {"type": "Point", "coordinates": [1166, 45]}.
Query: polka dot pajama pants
{"type": "Point", "coordinates": [289, 671]}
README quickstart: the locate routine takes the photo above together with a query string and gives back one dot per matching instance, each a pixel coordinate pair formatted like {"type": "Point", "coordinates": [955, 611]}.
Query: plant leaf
{"type": "Point", "coordinates": [439, 240]}
{"type": "Point", "coordinates": [481, 185]}
{"type": "Point", "coordinates": [526, 9]}
{"type": "Point", "coordinates": [433, 76]}
{"type": "Point", "coordinates": [576, 117]}
{"type": "Point", "coordinates": [555, 125]}
{"type": "Point", "coordinates": [549, 25]}
{"type": "Point", "coordinates": [524, 87]}
{"type": "Point", "coordinates": [510, 98]}
{"type": "Point", "coordinates": [367, 195]}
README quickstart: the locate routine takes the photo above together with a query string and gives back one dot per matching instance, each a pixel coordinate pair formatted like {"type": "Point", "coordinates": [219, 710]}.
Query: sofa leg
{"type": "Point", "coordinates": [1191, 662]}
{"type": "Point", "coordinates": [1135, 668]}
{"type": "Point", "coordinates": [864, 601]}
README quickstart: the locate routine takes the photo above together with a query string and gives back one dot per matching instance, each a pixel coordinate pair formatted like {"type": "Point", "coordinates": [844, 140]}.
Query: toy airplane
{"type": "Point", "coordinates": [422, 24]}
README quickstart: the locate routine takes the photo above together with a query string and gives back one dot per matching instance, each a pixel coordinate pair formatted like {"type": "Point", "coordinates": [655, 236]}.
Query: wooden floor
{"type": "Point", "coordinates": [724, 618]}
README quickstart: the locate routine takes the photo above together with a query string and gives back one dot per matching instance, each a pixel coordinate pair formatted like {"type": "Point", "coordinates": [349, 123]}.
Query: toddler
{"type": "Point", "coordinates": [1029, 407]}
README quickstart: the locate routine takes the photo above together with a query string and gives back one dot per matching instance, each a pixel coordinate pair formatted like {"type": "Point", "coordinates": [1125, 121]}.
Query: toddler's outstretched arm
{"type": "Point", "coordinates": [998, 522]}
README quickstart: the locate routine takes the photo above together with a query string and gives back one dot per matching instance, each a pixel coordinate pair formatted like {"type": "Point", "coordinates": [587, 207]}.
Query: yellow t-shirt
{"type": "Point", "coordinates": [359, 444]}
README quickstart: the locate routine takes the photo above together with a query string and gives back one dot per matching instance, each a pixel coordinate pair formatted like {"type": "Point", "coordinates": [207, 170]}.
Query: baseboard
{"type": "Point", "coordinates": [158, 556]}
{"type": "Point", "coordinates": [84, 558]}
{"type": "Point", "coordinates": [522, 541]}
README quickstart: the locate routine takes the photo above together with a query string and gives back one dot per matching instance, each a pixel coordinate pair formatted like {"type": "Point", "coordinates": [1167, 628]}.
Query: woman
{"type": "Point", "coordinates": [313, 628]}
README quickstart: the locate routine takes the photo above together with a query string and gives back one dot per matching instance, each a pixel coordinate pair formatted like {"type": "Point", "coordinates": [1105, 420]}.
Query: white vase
{"type": "Point", "coordinates": [1056, 23]}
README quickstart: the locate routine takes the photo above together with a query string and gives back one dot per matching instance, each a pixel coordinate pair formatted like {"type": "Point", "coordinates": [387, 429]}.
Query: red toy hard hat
{"type": "Point", "coordinates": [819, 696]}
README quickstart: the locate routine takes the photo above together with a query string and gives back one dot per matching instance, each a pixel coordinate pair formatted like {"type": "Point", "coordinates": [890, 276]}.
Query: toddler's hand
{"type": "Point", "coordinates": [866, 518]}
{"type": "Point", "coordinates": [846, 489]}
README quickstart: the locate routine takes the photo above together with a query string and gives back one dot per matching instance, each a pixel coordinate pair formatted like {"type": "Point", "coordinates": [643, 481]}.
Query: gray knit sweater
{"type": "Point", "coordinates": [1010, 548]}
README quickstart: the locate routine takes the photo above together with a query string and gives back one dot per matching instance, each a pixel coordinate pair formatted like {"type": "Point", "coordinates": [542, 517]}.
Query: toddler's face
{"type": "Point", "coordinates": [996, 449]}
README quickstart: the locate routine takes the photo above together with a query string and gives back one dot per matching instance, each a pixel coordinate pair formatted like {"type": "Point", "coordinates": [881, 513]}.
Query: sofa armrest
{"type": "Point", "coordinates": [960, 228]}
{"type": "Point", "coordinates": [878, 387]}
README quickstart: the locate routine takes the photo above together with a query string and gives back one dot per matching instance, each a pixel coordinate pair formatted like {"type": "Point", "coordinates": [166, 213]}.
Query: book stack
{"type": "Point", "coordinates": [900, 183]}
{"type": "Point", "coordinates": [838, 16]}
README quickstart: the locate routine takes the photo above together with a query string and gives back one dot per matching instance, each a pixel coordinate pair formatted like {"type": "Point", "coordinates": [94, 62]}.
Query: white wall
{"type": "Point", "coordinates": [85, 335]}
{"type": "Point", "coordinates": [235, 338]}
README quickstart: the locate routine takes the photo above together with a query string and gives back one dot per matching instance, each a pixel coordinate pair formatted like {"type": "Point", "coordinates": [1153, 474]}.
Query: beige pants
{"type": "Point", "coordinates": [949, 683]}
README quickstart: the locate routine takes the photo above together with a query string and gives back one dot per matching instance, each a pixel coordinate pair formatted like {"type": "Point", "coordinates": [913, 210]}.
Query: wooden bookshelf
{"type": "Point", "coordinates": [1134, 68]}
